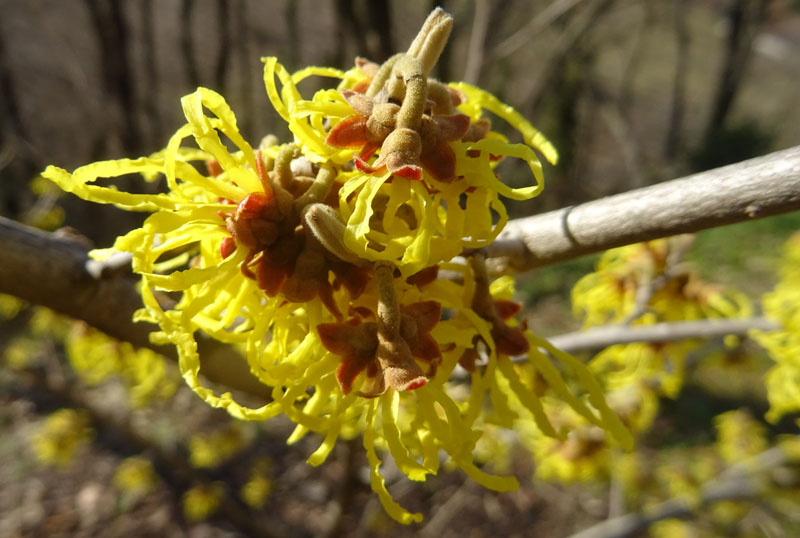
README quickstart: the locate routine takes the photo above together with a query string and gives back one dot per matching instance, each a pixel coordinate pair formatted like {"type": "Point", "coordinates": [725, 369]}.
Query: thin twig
{"type": "Point", "coordinates": [602, 337]}
{"type": "Point", "coordinates": [445, 513]}
{"type": "Point", "coordinates": [651, 284]}
{"type": "Point", "coordinates": [740, 482]}
{"type": "Point", "coordinates": [523, 36]}
{"type": "Point", "coordinates": [480, 25]}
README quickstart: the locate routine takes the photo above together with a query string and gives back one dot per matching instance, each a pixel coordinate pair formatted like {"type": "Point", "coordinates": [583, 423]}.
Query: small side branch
{"type": "Point", "coordinates": [756, 188]}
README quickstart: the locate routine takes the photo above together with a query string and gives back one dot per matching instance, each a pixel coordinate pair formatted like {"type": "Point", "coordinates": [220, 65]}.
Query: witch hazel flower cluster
{"type": "Point", "coordinates": [319, 262]}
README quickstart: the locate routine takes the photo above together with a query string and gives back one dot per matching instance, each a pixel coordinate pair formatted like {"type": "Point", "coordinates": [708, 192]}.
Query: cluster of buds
{"type": "Point", "coordinates": [408, 116]}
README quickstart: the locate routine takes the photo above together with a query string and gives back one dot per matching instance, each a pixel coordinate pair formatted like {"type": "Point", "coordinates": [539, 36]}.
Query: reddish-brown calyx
{"type": "Point", "coordinates": [404, 151]}
{"type": "Point", "coordinates": [284, 257]}
{"type": "Point", "coordinates": [508, 340]}
{"type": "Point", "coordinates": [387, 358]}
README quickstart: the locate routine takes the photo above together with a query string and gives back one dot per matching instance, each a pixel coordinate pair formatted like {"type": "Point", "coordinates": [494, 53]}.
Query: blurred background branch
{"type": "Point", "coordinates": [597, 338]}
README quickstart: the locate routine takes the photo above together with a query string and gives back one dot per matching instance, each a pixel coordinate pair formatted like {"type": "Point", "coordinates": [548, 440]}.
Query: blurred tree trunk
{"type": "Point", "coordinates": [380, 41]}
{"type": "Point", "coordinates": [293, 26]}
{"type": "Point", "coordinates": [153, 81]}
{"type": "Point", "coordinates": [443, 69]}
{"type": "Point", "coordinates": [675, 129]}
{"type": "Point", "coordinates": [111, 31]}
{"type": "Point", "coordinates": [187, 44]}
{"type": "Point", "coordinates": [242, 46]}
{"type": "Point", "coordinates": [349, 28]}
{"type": "Point", "coordinates": [560, 91]}
{"type": "Point", "coordinates": [477, 41]}
{"type": "Point", "coordinates": [744, 19]}
{"type": "Point", "coordinates": [367, 25]}
{"type": "Point", "coordinates": [224, 46]}
{"type": "Point", "coordinates": [634, 60]}
{"type": "Point", "coordinates": [17, 165]}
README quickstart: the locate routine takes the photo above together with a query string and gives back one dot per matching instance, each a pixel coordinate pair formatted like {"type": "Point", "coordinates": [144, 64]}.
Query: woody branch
{"type": "Point", "coordinates": [52, 271]}
{"type": "Point", "coordinates": [752, 189]}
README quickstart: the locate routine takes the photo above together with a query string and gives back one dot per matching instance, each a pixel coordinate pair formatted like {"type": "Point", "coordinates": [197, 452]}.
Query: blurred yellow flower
{"type": "Point", "coordinates": [210, 450]}
{"type": "Point", "coordinates": [739, 436]}
{"type": "Point", "coordinates": [10, 306]}
{"type": "Point", "coordinates": [61, 436]}
{"type": "Point", "coordinates": [97, 357]}
{"type": "Point", "coordinates": [135, 475]}
{"type": "Point", "coordinates": [201, 502]}
{"type": "Point", "coordinates": [257, 489]}
{"type": "Point", "coordinates": [782, 305]}
{"type": "Point", "coordinates": [651, 270]}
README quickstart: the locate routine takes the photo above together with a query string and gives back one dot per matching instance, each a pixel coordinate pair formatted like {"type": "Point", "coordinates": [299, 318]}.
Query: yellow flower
{"type": "Point", "coordinates": [611, 294]}
{"type": "Point", "coordinates": [318, 260]}
{"type": "Point", "coordinates": [63, 433]}
{"type": "Point", "coordinates": [412, 219]}
{"type": "Point", "coordinates": [658, 365]}
{"type": "Point", "coordinates": [136, 475]}
{"type": "Point", "coordinates": [201, 502]}
{"type": "Point", "coordinates": [258, 488]}
{"type": "Point", "coordinates": [581, 455]}
{"type": "Point", "coordinates": [97, 357]}
{"type": "Point", "coordinates": [739, 436]}
{"type": "Point", "coordinates": [185, 246]}
{"type": "Point", "coordinates": [10, 306]}
{"type": "Point", "coordinates": [217, 447]}
{"type": "Point", "coordinates": [672, 528]}
{"type": "Point", "coordinates": [782, 305]}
